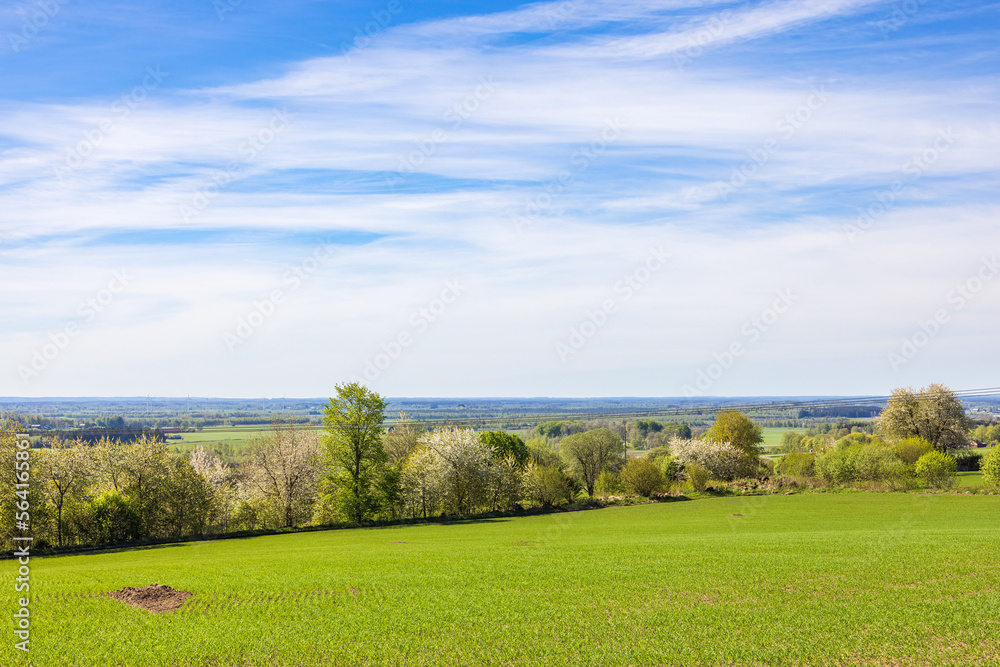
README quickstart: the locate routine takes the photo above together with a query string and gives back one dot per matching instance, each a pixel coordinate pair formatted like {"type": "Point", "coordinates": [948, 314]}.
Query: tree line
{"type": "Point", "coordinates": [356, 471]}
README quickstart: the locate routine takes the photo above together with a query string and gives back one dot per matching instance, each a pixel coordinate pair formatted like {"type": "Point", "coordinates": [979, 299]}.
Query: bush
{"type": "Point", "coordinates": [114, 518]}
{"type": "Point", "coordinates": [990, 466]}
{"type": "Point", "coordinates": [698, 475]}
{"type": "Point", "coordinates": [911, 449]}
{"type": "Point", "coordinates": [796, 464]}
{"type": "Point", "coordinates": [878, 463]}
{"type": "Point", "coordinates": [608, 484]}
{"type": "Point", "coordinates": [837, 467]}
{"type": "Point", "coordinates": [549, 485]}
{"type": "Point", "coordinates": [969, 461]}
{"type": "Point", "coordinates": [672, 469]}
{"type": "Point", "coordinates": [936, 469]}
{"type": "Point", "coordinates": [643, 478]}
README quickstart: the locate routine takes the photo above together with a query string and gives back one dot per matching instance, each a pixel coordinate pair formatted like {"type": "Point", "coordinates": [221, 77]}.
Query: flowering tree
{"type": "Point", "coordinates": [723, 460]}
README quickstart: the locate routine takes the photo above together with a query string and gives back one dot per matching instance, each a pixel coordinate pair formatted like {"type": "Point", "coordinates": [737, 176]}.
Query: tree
{"type": "Point", "coordinates": [722, 460]}
{"type": "Point", "coordinates": [737, 429]}
{"type": "Point", "coordinates": [190, 500]}
{"type": "Point", "coordinates": [507, 446]}
{"type": "Point", "coordinates": [422, 482]}
{"type": "Point", "coordinates": [933, 413]}
{"type": "Point", "coordinates": [354, 448]}
{"type": "Point", "coordinates": [592, 452]}
{"type": "Point", "coordinates": [643, 477]}
{"type": "Point", "coordinates": [62, 471]}
{"type": "Point", "coordinates": [401, 439]}
{"type": "Point", "coordinates": [463, 465]}
{"type": "Point", "coordinates": [284, 468]}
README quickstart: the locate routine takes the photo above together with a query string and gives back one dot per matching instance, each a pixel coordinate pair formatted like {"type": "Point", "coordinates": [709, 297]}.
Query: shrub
{"type": "Point", "coordinates": [643, 478]}
{"type": "Point", "coordinates": [936, 469]}
{"type": "Point", "coordinates": [672, 469]}
{"type": "Point", "coordinates": [990, 466]}
{"type": "Point", "coordinates": [878, 463]}
{"type": "Point", "coordinates": [969, 461]}
{"type": "Point", "coordinates": [114, 518]}
{"type": "Point", "coordinates": [796, 464]}
{"type": "Point", "coordinates": [837, 467]}
{"type": "Point", "coordinates": [911, 449]}
{"type": "Point", "coordinates": [608, 484]}
{"type": "Point", "coordinates": [549, 485]}
{"type": "Point", "coordinates": [698, 475]}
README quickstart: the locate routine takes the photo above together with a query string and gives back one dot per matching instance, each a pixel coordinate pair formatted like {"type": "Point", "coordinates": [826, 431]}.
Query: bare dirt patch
{"type": "Point", "coordinates": [156, 598]}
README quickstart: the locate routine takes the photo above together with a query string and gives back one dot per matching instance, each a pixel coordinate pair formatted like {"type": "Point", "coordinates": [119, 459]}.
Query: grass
{"type": "Point", "coordinates": [815, 579]}
{"type": "Point", "coordinates": [772, 435]}
{"type": "Point", "coordinates": [228, 441]}
{"type": "Point", "coordinates": [968, 479]}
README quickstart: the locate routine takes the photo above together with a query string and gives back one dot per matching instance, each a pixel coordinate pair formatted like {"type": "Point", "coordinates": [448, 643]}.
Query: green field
{"type": "Point", "coordinates": [772, 435]}
{"type": "Point", "coordinates": [815, 579]}
{"type": "Point", "coordinates": [225, 440]}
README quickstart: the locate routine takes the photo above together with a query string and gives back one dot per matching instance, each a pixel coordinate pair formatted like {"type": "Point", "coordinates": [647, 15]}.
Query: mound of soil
{"type": "Point", "coordinates": [156, 598]}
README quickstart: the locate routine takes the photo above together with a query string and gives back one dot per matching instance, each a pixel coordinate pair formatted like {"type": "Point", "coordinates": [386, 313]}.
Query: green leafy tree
{"type": "Point", "coordinates": [591, 452]}
{"type": "Point", "coordinates": [738, 429]}
{"type": "Point", "coordinates": [507, 446]}
{"type": "Point", "coordinates": [933, 413]}
{"type": "Point", "coordinates": [354, 448]}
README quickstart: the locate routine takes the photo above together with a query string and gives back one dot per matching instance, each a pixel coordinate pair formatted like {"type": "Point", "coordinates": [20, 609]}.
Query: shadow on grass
{"type": "Point", "coordinates": [457, 520]}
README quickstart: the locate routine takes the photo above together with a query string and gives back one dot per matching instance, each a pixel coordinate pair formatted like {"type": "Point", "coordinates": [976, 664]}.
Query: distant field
{"type": "Point", "coordinates": [772, 435]}
{"type": "Point", "coordinates": [228, 440]}
{"type": "Point", "coordinates": [815, 579]}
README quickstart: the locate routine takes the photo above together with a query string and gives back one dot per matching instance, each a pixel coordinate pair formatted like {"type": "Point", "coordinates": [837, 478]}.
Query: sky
{"type": "Point", "coordinates": [235, 198]}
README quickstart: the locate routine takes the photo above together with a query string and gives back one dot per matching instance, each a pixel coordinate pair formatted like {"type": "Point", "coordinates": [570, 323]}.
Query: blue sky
{"type": "Point", "coordinates": [498, 199]}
